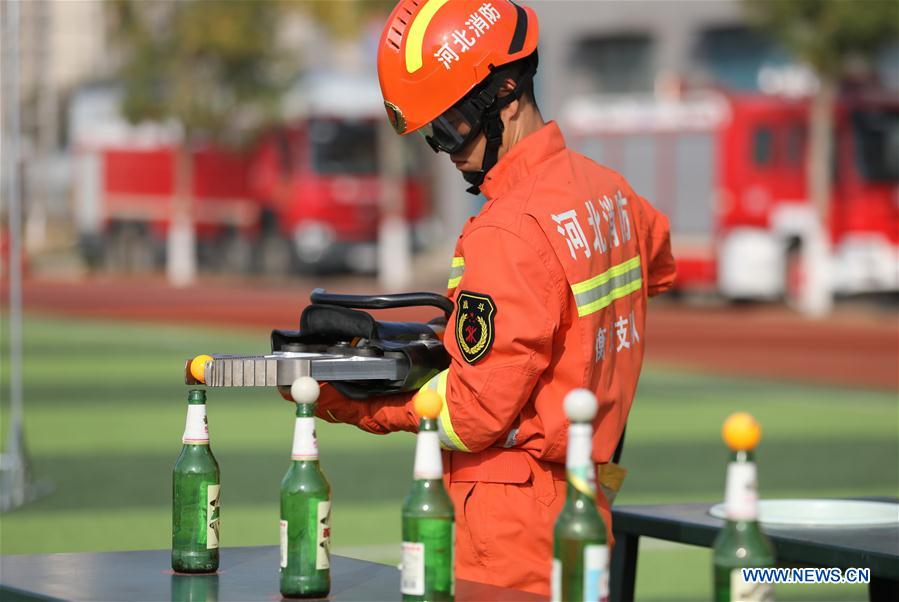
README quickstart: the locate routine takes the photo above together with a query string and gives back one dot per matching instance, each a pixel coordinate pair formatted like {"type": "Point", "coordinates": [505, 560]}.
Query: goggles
{"type": "Point", "coordinates": [460, 124]}
{"type": "Point", "coordinates": [451, 132]}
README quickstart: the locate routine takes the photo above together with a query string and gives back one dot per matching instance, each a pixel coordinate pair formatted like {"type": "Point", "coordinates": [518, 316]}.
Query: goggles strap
{"type": "Point", "coordinates": [493, 130]}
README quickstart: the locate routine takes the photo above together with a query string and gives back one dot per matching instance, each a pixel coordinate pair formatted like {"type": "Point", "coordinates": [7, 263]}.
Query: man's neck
{"type": "Point", "coordinates": [529, 121]}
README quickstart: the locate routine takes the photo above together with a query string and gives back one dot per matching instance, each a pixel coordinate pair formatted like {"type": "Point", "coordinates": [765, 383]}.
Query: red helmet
{"type": "Point", "coordinates": [434, 52]}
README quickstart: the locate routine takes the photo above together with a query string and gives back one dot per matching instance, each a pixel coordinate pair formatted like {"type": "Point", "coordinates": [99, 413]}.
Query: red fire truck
{"type": "Point", "coordinates": [318, 191]}
{"type": "Point", "coordinates": [303, 197]}
{"type": "Point", "coordinates": [729, 171]}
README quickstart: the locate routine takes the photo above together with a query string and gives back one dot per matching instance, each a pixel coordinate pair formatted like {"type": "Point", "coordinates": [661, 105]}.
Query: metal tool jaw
{"type": "Point", "coordinates": [337, 343]}
{"type": "Point", "coordinates": [282, 368]}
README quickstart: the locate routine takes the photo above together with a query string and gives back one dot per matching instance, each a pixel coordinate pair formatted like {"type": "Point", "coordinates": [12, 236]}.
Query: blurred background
{"type": "Point", "coordinates": [178, 176]}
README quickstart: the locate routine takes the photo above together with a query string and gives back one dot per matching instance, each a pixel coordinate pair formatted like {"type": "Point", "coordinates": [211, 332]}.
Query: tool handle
{"type": "Point", "coordinates": [321, 297]}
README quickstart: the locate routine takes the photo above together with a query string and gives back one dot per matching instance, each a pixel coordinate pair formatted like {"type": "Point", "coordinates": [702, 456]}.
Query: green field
{"type": "Point", "coordinates": [105, 410]}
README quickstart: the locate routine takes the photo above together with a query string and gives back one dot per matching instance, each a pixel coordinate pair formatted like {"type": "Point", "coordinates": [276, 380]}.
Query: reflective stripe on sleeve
{"type": "Point", "coordinates": [598, 292]}
{"type": "Point", "coordinates": [456, 271]}
{"type": "Point", "coordinates": [448, 437]}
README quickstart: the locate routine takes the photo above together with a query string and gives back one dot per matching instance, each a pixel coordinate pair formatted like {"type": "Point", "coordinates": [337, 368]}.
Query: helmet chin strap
{"type": "Point", "coordinates": [493, 130]}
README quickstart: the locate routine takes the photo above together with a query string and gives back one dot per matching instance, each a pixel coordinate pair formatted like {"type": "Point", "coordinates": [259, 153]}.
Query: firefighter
{"type": "Point", "coordinates": [550, 284]}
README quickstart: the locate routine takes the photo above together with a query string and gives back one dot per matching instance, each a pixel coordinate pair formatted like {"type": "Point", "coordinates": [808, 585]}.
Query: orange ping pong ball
{"type": "Point", "coordinates": [198, 367]}
{"type": "Point", "coordinates": [741, 431]}
{"type": "Point", "coordinates": [427, 404]}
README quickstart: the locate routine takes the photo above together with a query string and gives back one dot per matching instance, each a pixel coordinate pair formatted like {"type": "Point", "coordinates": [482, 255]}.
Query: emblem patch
{"type": "Point", "coordinates": [474, 325]}
{"type": "Point", "coordinates": [396, 117]}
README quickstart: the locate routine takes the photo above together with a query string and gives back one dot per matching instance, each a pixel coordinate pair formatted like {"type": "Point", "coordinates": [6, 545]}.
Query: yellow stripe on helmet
{"type": "Point", "coordinates": [416, 36]}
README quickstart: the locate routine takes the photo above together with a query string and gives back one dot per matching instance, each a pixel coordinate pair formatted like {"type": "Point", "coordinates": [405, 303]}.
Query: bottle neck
{"type": "Point", "coordinates": [428, 463]}
{"type": "Point", "coordinates": [196, 429]}
{"type": "Point", "coordinates": [305, 445]}
{"type": "Point", "coordinates": [581, 474]}
{"type": "Point", "coordinates": [741, 489]}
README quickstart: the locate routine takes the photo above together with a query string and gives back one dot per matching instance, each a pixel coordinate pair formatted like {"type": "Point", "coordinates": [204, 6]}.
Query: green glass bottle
{"type": "Point", "coordinates": [741, 543]}
{"type": "Point", "coordinates": [195, 588]}
{"type": "Point", "coordinates": [580, 569]}
{"type": "Point", "coordinates": [305, 513]}
{"type": "Point", "coordinates": [428, 516]}
{"type": "Point", "coordinates": [196, 495]}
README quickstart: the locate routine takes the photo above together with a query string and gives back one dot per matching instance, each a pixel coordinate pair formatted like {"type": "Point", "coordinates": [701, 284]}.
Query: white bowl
{"type": "Point", "coordinates": [822, 513]}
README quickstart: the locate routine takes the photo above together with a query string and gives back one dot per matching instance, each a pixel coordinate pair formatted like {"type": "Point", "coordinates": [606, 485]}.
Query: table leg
{"type": "Point", "coordinates": [623, 571]}
{"type": "Point", "coordinates": [882, 590]}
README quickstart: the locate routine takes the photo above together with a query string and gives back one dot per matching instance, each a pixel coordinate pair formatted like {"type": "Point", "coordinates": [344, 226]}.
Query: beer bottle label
{"type": "Point", "coordinates": [212, 516]}
{"type": "Point", "coordinates": [741, 591]}
{"type": "Point", "coordinates": [583, 479]}
{"type": "Point", "coordinates": [741, 491]}
{"type": "Point", "coordinates": [305, 445]}
{"type": "Point", "coordinates": [283, 544]}
{"type": "Point", "coordinates": [413, 576]}
{"type": "Point", "coordinates": [428, 463]}
{"type": "Point", "coordinates": [323, 539]}
{"type": "Point", "coordinates": [196, 428]}
{"type": "Point", "coordinates": [596, 573]}
{"type": "Point", "coordinates": [556, 581]}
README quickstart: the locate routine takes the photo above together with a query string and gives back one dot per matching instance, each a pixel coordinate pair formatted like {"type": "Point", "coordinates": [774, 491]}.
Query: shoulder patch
{"type": "Point", "coordinates": [474, 325]}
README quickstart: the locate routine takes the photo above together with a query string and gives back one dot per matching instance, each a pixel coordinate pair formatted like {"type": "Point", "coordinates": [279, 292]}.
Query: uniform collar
{"type": "Point", "coordinates": [521, 159]}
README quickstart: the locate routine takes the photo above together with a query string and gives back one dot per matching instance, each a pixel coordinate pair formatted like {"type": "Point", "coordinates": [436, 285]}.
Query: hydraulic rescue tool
{"type": "Point", "coordinates": [340, 343]}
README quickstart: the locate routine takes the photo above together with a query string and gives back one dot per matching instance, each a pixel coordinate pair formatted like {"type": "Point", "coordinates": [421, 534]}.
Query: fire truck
{"type": "Point", "coordinates": [303, 196]}
{"type": "Point", "coordinates": [729, 171]}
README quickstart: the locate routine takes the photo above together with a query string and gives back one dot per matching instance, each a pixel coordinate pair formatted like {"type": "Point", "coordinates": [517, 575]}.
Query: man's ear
{"type": "Point", "coordinates": [511, 110]}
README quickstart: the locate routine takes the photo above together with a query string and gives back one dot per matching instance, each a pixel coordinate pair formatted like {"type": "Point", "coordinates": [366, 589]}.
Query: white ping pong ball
{"type": "Point", "coordinates": [304, 390]}
{"type": "Point", "coordinates": [580, 405]}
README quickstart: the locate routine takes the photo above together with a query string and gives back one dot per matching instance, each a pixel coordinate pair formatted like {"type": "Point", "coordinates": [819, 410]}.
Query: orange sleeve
{"type": "Point", "coordinates": [482, 396]}
{"type": "Point", "coordinates": [378, 415]}
{"type": "Point", "coordinates": [661, 269]}
{"type": "Point", "coordinates": [386, 414]}
{"type": "Point", "coordinates": [486, 386]}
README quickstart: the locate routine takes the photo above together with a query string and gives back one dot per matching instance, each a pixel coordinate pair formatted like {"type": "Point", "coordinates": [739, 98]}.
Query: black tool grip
{"type": "Point", "coordinates": [321, 297]}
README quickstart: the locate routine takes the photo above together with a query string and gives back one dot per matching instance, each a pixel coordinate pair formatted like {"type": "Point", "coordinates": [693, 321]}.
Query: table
{"type": "Point", "coordinates": [245, 574]}
{"type": "Point", "coordinates": [875, 548]}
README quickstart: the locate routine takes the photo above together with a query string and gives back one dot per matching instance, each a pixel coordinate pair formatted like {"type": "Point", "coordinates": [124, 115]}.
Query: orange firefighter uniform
{"type": "Point", "coordinates": [550, 284]}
